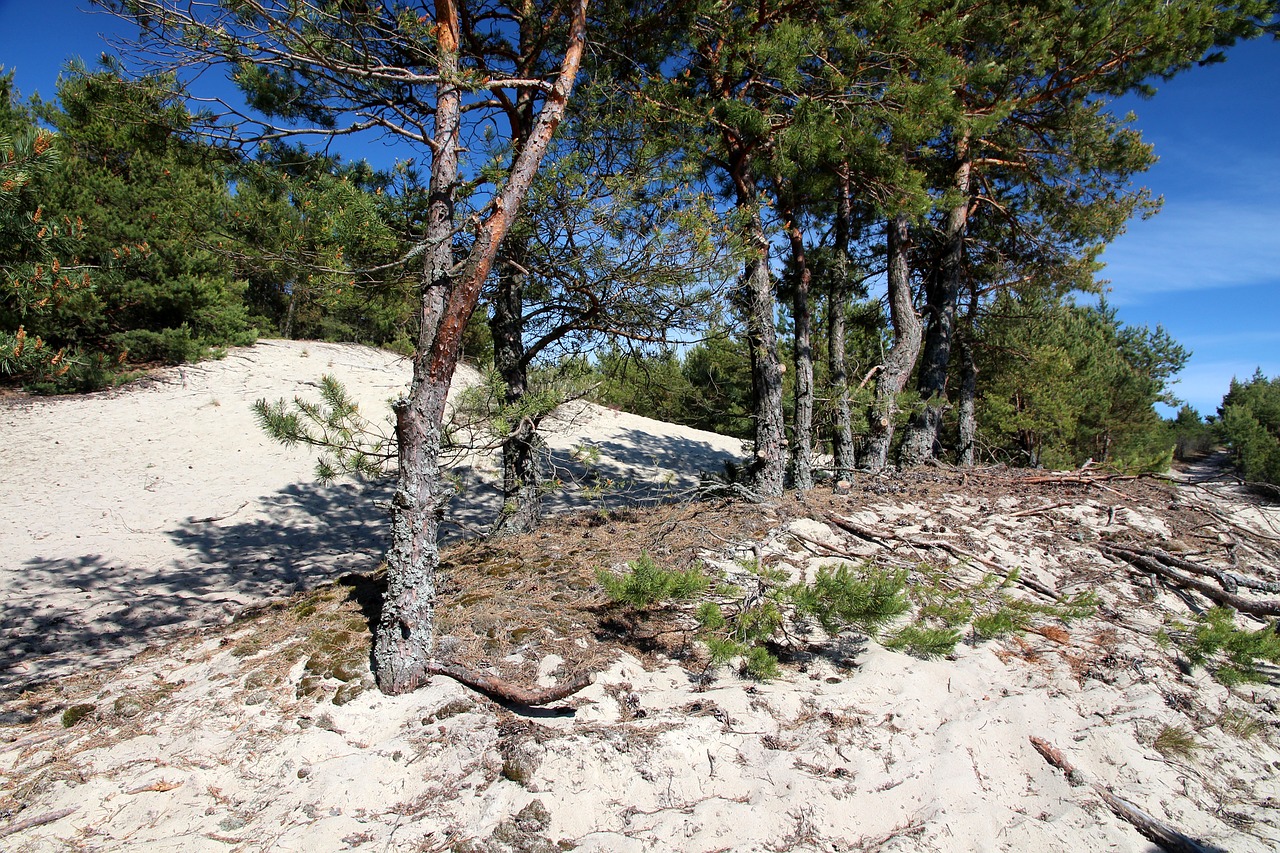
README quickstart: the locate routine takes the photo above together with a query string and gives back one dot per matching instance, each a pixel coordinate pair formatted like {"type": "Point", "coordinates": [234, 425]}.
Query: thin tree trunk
{"type": "Point", "coordinates": [767, 470]}
{"type": "Point", "coordinates": [802, 433]}
{"type": "Point", "coordinates": [403, 639]}
{"type": "Point", "coordinates": [842, 428]}
{"type": "Point", "coordinates": [901, 359]}
{"type": "Point", "coordinates": [967, 406]}
{"type": "Point", "coordinates": [521, 449]}
{"type": "Point", "coordinates": [922, 440]}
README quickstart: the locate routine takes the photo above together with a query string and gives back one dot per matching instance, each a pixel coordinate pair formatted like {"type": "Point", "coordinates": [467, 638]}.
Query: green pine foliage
{"type": "Point", "coordinates": [1192, 437]}
{"type": "Point", "coordinates": [1231, 654]}
{"type": "Point", "coordinates": [1249, 424]}
{"type": "Point", "coordinates": [1067, 383]}
{"type": "Point", "coordinates": [318, 242]}
{"type": "Point", "coordinates": [145, 198]}
{"type": "Point", "coordinates": [349, 443]}
{"type": "Point", "coordinates": [38, 269]}
{"type": "Point", "coordinates": [645, 584]}
{"type": "Point", "coordinates": [844, 597]}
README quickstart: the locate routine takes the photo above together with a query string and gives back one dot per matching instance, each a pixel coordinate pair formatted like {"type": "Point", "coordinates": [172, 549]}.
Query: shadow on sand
{"type": "Point", "coordinates": [72, 613]}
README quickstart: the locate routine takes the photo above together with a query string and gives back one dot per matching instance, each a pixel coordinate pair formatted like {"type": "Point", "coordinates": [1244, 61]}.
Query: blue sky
{"type": "Point", "coordinates": [1207, 267]}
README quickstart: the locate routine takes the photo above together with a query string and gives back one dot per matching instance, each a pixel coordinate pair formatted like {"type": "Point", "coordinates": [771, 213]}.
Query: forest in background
{"type": "Point", "coordinates": [707, 242]}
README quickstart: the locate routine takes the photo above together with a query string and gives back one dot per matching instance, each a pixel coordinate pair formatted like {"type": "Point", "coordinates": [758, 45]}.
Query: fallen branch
{"type": "Point", "coordinates": [1040, 509]}
{"type": "Point", "coordinates": [32, 822]}
{"type": "Point", "coordinates": [1078, 479]}
{"type": "Point", "coordinates": [1153, 828]}
{"type": "Point", "coordinates": [1264, 607]}
{"type": "Point", "coordinates": [496, 688]}
{"type": "Point", "coordinates": [210, 518]}
{"type": "Point", "coordinates": [1230, 581]}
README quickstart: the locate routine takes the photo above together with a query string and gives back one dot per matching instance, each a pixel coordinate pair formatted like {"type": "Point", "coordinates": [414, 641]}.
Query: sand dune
{"type": "Point", "coordinates": [129, 518]}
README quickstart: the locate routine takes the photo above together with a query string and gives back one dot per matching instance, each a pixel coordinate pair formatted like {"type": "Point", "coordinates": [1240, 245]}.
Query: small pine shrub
{"type": "Point", "coordinates": [924, 642]}
{"type": "Point", "coordinates": [761, 664]}
{"type": "Point", "coordinates": [646, 584]}
{"type": "Point", "coordinates": [1229, 653]}
{"type": "Point", "coordinates": [843, 598]}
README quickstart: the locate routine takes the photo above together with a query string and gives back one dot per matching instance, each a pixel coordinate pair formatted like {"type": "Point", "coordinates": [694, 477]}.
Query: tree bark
{"type": "Point", "coordinates": [842, 429]}
{"type": "Point", "coordinates": [802, 432]}
{"type": "Point", "coordinates": [755, 296]}
{"type": "Point", "coordinates": [922, 443]}
{"type": "Point", "coordinates": [901, 359]}
{"type": "Point", "coordinates": [403, 639]}
{"type": "Point", "coordinates": [967, 405]}
{"type": "Point", "coordinates": [522, 448]}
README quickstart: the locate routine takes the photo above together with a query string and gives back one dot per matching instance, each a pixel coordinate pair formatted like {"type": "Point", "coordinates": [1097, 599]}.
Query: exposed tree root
{"type": "Point", "coordinates": [1157, 830]}
{"type": "Point", "coordinates": [1254, 607]}
{"type": "Point", "coordinates": [884, 537]}
{"type": "Point", "coordinates": [496, 688]}
{"type": "Point", "coordinates": [1230, 581]}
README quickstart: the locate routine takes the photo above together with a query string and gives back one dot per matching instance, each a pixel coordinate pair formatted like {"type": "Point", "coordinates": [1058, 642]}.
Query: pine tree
{"type": "Point", "coordinates": [38, 268]}
{"type": "Point", "coordinates": [344, 68]}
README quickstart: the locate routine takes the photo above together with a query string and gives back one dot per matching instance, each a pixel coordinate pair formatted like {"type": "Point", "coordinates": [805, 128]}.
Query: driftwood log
{"type": "Point", "coordinates": [1153, 828]}
{"type": "Point", "coordinates": [496, 688]}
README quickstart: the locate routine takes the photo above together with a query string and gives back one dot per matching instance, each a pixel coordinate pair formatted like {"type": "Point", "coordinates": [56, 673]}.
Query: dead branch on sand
{"type": "Point", "coordinates": [1153, 828]}
{"type": "Point", "coordinates": [32, 822]}
{"type": "Point", "coordinates": [1254, 607]}
{"type": "Point", "coordinates": [884, 537]}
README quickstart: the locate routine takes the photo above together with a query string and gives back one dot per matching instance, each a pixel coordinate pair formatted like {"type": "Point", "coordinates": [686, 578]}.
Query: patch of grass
{"type": "Point", "coordinates": [1176, 742]}
{"type": "Point", "coordinates": [1240, 724]}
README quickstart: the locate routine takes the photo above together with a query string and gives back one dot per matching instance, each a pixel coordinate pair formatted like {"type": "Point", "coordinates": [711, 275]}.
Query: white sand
{"type": "Point", "coordinates": [100, 550]}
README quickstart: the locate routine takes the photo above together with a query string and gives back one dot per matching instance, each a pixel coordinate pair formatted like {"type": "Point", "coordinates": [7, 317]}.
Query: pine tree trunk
{"type": "Point", "coordinates": [802, 434]}
{"type": "Point", "coordinates": [521, 449]}
{"type": "Point", "coordinates": [901, 359]}
{"type": "Point", "coordinates": [967, 406]}
{"type": "Point", "coordinates": [403, 639]}
{"type": "Point", "coordinates": [922, 443]}
{"type": "Point", "coordinates": [755, 296]}
{"type": "Point", "coordinates": [842, 428]}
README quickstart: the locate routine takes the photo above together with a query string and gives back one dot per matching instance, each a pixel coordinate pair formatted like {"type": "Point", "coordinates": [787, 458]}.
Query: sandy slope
{"type": "Point", "coordinates": [104, 537]}
{"type": "Point", "coordinates": [210, 742]}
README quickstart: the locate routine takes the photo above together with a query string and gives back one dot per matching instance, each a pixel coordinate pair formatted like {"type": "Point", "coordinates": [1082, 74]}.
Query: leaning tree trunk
{"type": "Point", "coordinates": [755, 296]}
{"type": "Point", "coordinates": [403, 639]}
{"type": "Point", "coordinates": [842, 429]}
{"type": "Point", "coordinates": [901, 359]}
{"type": "Point", "coordinates": [921, 443]}
{"type": "Point", "coordinates": [802, 434]}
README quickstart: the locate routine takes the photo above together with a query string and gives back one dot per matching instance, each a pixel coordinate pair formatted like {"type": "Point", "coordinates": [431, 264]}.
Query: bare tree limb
{"type": "Point", "coordinates": [1161, 833]}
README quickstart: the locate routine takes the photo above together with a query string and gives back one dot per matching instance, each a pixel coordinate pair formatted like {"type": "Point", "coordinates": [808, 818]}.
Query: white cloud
{"type": "Point", "coordinates": [1195, 247]}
